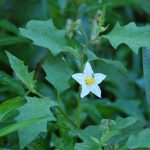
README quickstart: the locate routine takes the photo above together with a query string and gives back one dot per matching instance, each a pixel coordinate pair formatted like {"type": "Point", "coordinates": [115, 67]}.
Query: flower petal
{"type": "Point", "coordinates": [85, 90]}
{"type": "Point", "coordinates": [95, 90]}
{"type": "Point", "coordinates": [79, 77]}
{"type": "Point", "coordinates": [99, 77]}
{"type": "Point", "coordinates": [88, 69]}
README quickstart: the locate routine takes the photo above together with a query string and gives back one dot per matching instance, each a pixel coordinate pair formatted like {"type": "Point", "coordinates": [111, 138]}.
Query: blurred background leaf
{"type": "Point", "coordinates": [122, 92]}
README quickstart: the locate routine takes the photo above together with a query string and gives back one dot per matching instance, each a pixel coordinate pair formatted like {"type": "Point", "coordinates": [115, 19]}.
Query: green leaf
{"type": "Point", "coordinates": [58, 73]}
{"type": "Point", "coordinates": [44, 34]}
{"type": "Point", "coordinates": [130, 107]}
{"type": "Point", "coordinates": [107, 133]}
{"type": "Point", "coordinates": [116, 3]}
{"type": "Point", "coordinates": [73, 51]}
{"type": "Point", "coordinates": [88, 132]}
{"type": "Point", "coordinates": [90, 137]}
{"type": "Point", "coordinates": [115, 64]}
{"type": "Point", "coordinates": [122, 123]}
{"type": "Point", "coordinates": [18, 126]}
{"type": "Point", "coordinates": [140, 140]}
{"type": "Point", "coordinates": [86, 146]}
{"type": "Point", "coordinates": [135, 37]}
{"type": "Point", "coordinates": [62, 4]}
{"type": "Point", "coordinates": [34, 108]}
{"type": "Point", "coordinates": [144, 4]}
{"type": "Point", "coordinates": [126, 127]}
{"type": "Point", "coordinates": [10, 83]}
{"type": "Point", "coordinates": [65, 141]}
{"type": "Point", "coordinates": [138, 4]}
{"type": "Point", "coordinates": [4, 148]}
{"type": "Point", "coordinates": [5, 24]}
{"type": "Point", "coordinates": [22, 71]}
{"type": "Point", "coordinates": [6, 40]}
{"type": "Point", "coordinates": [10, 105]}
{"type": "Point", "coordinates": [38, 144]}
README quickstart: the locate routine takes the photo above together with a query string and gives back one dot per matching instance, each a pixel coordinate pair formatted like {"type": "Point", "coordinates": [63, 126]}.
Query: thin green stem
{"type": "Point", "coordinates": [87, 44]}
{"type": "Point", "coordinates": [63, 113]}
{"type": "Point", "coordinates": [82, 66]}
{"type": "Point", "coordinates": [26, 93]}
{"type": "Point", "coordinates": [83, 58]}
{"type": "Point", "coordinates": [34, 92]}
{"type": "Point", "coordinates": [79, 99]}
{"type": "Point", "coordinates": [66, 117]}
{"type": "Point", "coordinates": [37, 93]}
{"type": "Point", "coordinates": [110, 147]}
{"type": "Point", "coordinates": [79, 110]}
{"type": "Point", "coordinates": [85, 36]}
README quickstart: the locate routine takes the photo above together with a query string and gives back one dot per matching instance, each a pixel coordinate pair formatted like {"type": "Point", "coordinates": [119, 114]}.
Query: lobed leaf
{"type": "Point", "coordinates": [10, 83]}
{"type": "Point", "coordinates": [135, 37]}
{"type": "Point", "coordinates": [21, 71]}
{"type": "Point", "coordinates": [140, 140]}
{"type": "Point", "coordinates": [33, 109]}
{"type": "Point", "coordinates": [18, 126]}
{"type": "Point", "coordinates": [58, 73]}
{"type": "Point", "coordinates": [9, 106]}
{"type": "Point", "coordinates": [44, 34]}
{"type": "Point", "coordinates": [11, 40]}
{"type": "Point", "coordinates": [107, 133]}
{"type": "Point", "coordinates": [8, 26]}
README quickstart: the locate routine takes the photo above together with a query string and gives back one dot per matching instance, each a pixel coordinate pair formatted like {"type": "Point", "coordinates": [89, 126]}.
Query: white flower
{"type": "Point", "coordinates": [89, 81]}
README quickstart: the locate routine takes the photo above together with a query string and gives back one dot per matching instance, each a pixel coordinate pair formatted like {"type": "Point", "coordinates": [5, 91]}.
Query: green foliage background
{"type": "Point", "coordinates": [44, 42]}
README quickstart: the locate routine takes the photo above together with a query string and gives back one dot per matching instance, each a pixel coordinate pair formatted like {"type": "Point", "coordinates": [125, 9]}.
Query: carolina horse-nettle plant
{"type": "Point", "coordinates": [59, 105]}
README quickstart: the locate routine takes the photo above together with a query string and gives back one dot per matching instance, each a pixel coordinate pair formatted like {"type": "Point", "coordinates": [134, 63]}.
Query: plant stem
{"type": "Point", "coordinates": [37, 93]}
{"type": "Point", "coordinates": [110, 147]}
{"type": "Point", "coordinates": [83, 57]}
{"type": "Point", "coordinates": [87, 44]}
{"type": "Point", "coordinates": [82, 66]}
{"type": "Point", "coordinates": [26, 93]}
{"type": "Point", "coordinates": [85, 36]}
{"type": "Point", "coordinates": [146, 71]}
{"type": "Point", "coordinates": [79, 110]}
{"type": "Point", "coordinates": [63, 113]}
{"type": "Point", "coordinates": [66, 117]}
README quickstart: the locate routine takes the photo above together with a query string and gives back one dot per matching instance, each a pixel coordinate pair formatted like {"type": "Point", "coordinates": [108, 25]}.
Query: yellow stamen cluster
{"type": "Point", "coordinates": [89, 80]}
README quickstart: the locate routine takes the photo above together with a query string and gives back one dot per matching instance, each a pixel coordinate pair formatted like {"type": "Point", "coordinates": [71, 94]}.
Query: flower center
{"type": "Point", "coordinates": [89, 80]}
